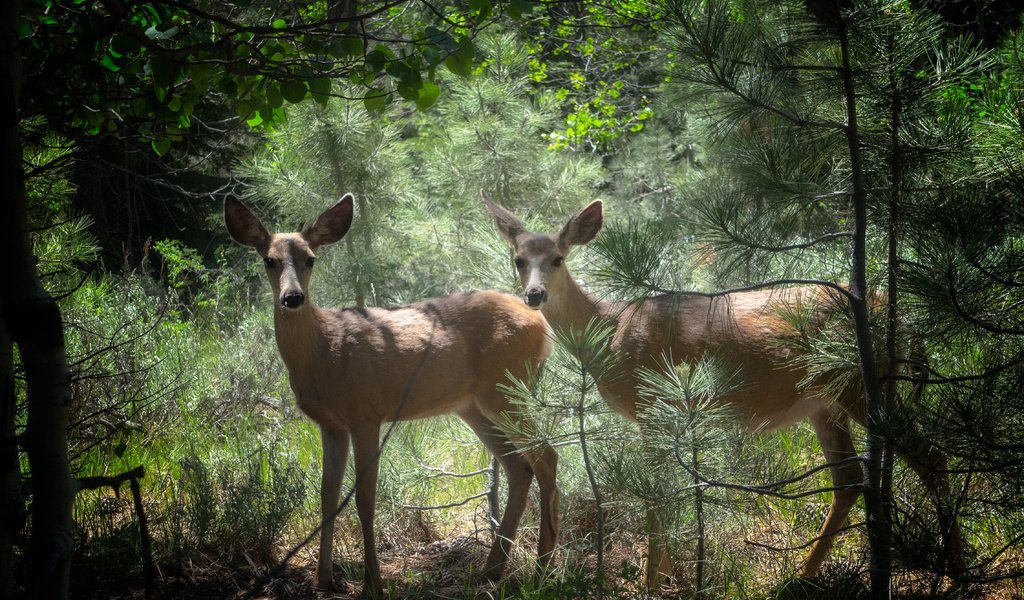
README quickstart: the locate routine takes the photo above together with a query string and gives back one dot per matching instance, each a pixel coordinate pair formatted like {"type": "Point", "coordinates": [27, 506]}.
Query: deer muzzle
{"type": "Point", "coordinates": [535, 296]}
{"type": "Point", "coordinates": [293, 300]}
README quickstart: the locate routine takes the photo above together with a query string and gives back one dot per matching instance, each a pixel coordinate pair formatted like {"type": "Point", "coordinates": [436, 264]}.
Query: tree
{"type": "Point", "coordinates": [842, 133]}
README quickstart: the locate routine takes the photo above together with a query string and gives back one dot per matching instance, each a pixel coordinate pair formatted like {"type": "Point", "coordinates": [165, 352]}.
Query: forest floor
{"type": "Point", "coordinates": [433, 571]}
{"type": "Point", "coordinates": [442, 570]}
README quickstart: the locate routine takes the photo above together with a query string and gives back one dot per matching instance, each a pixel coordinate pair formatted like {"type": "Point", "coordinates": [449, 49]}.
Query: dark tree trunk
{"type": "Point", "coordinates": [32, 322]}
{"type": "Point", "coordinates": [12, 504]}
{"type": "Point", "coordinates": [877, 518]}
{"type": "Point", "coordinates": [343, 9]}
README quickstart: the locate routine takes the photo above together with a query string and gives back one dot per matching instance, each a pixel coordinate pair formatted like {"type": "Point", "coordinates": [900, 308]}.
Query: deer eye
{"type": "Point", "coordinates": [558, 261]}
{"type": "Point", "coordinates": [520, 263]}
{"type": "Point", "coordinates": [268, 262]}
{"type": "Point", "coordinates": [310, 261]}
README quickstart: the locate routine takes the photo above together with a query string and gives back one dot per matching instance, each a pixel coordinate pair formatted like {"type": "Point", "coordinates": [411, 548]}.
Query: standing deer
{"type": "Point", "coordinates": [743, 327]}
{"type": "Point", "coordinates": [354, 369]}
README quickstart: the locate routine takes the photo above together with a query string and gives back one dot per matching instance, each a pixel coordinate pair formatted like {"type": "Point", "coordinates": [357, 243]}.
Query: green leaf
{"type": "Point", "coordinates": [385, 51]}
{"type": "Point", "coordinates": [376, 60]}
{"type": "Point", "coordinates": [274, 96]}
{"type": "Point", "coordinates": [244, 109]}
{"type": "Point", "coordinates": [408, 91]}
{"type": "Point", "coordinates": [200, 73]}
{"type": "Point", "coordinates": [165, 72]}
{"type": "Point", "coordinates": [108, 61]}
{"type": "Point", "coordinates": [428, 95]}
{"type": "Point", "coordinates": [432, 56]}
{"type": "Point", "coordinates": [121, 44]}
{"type": "Point", "coordinates": [376, 100]}
{"type": "Point", "coordinates": [320, 88]}
{"type": "Point", "coordinates": [279, 24]}
{"type": "Point", "coordinates": [163, 31]}
{"type": "Point", "coordinates": [441, 39]}
{"type": "Point", "coordinates": [228, 85]}
{"type": "Point", "coordinates": [482, 6]}
{"type": "Point", "coordinates": [293, 91]}
{"type": "Point", "coordinates": [362, 76]}
{"type": "Point", "coordinates": [278, 116]}
{"type": "Point", "coordinates": [405, 72]}
{"type": "Point", "coordinates": [460, 62]}
{"type": "Point", "coordinates": [346, 47]}
{"type": "Point", "coordinates": [161, 146]}
{"type": "Point", "coordinates": [517, 8]}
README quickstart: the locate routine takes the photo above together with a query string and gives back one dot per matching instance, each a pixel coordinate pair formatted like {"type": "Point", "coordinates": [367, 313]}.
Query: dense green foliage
{"type": "Point", "coordinates": [716, 134]}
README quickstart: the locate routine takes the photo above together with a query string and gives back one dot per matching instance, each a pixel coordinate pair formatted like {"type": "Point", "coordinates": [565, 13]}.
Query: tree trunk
{"type": "Point", "coordinates": [892, 275]}
{"type": "Point", "coordinates": [12, 505]}
{"type": "Point", "coordinates": [32, 321]}
{"type": "Point", "coordinates": [877, 519]}
{"type": "Point", "coordinates": [343, 9]}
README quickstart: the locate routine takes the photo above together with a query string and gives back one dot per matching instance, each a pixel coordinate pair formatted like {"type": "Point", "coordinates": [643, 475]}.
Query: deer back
{"type": "Point", "coordinates": [744, 331]}
{"type": "Point", "coordinates": [439, 355]}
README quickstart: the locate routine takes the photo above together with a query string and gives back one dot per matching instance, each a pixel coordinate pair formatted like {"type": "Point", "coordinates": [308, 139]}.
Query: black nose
{"type": "Point", "coordinates": [292, 300]}
{"type": "Point", "coordinates": [535, 297]}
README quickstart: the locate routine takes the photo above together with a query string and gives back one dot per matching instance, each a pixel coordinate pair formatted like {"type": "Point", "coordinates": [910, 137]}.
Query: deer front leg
{"type": "Point", "coordinates": [335, 455]}
{"type": "Point", "coordinates": [365, 446]}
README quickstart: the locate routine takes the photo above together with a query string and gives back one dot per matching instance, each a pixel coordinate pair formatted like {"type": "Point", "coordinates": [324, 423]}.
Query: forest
{"type": "Point", "coordinates": [739, 284]}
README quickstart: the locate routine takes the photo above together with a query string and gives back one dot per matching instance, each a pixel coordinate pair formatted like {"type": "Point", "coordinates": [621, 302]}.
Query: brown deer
{"type": "Point", "coordinates": [744, 328]}
{"type": "Point", "coordinates": [354, 369]}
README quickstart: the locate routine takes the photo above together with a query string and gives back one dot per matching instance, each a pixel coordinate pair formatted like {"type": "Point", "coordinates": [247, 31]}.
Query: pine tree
{"type": "Point", "coordinates": [845, 149]}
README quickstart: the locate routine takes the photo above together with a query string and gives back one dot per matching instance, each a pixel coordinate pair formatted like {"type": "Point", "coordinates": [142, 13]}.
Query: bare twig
{"type": "Point", "coordinates": [449, 505]}
{"type": "Point", "coordinates": [810, 542]}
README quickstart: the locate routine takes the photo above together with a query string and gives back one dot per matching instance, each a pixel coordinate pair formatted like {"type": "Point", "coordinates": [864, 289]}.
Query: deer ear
{"type": "Point", "coordinates": [332, 225]}
{"type": "Point", "coordinates": [583, 227]}
{"type": "Point", "coordinates": [243, 226]}
{"type": "Point", "coordinates": [509, 226]}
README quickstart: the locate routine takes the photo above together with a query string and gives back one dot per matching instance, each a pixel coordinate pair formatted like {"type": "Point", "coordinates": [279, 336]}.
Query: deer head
{"type": "Point", "coordinates": [540, 258]}
{"type": "Point", "coordinates": [288, 257]}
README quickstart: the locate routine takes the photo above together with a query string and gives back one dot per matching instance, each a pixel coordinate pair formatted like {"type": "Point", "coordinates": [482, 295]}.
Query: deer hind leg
{"type": "Point", "coordinates": [335, 455]}
{"type": "Point", "coordinates": [930, 465]}
{"type": "Point", "coordinates": [659, 566]}
{"type": "Point", "coordinates": [520, 468]}
{"type": "Point", "coordinates": [834, 436]}
{"type": "Point", "coordinates": [544, 461]}
{"type": "Point", "coordinates": [366, 446]}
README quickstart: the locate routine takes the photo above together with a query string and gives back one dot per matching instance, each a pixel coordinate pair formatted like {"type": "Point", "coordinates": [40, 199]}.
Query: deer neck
{"type": "Point", "coordinates": [573, 307]}
{"type": "Point", "coordinates": [300, 337]}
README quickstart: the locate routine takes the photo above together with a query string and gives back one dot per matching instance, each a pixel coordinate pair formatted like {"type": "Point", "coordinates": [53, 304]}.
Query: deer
{"type": "Point", "coordinates": [743, 327]}
{"type": "Point", "coordinates": [354, 369]}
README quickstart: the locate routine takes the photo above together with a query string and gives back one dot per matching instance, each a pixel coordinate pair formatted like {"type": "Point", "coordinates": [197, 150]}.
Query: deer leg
{"type": "Point", "coordinates": [365, 446]}
{"type": "Point", "coordinates": [335, 455]}
{"type": "Point", "coordinates": [834, 436]}
{"type": "Point", "coordinates": [544, 461]}
{"type": "Point", "coordinates": [519, 474]}
{"type": "Point", "coordinates": [659, 567]}
{"type": "Point", "coordinates": [930, 465]}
